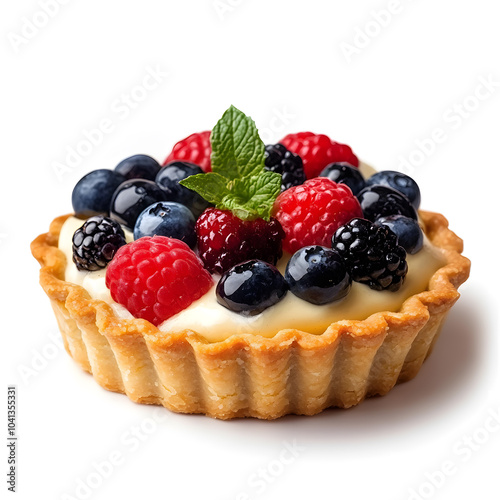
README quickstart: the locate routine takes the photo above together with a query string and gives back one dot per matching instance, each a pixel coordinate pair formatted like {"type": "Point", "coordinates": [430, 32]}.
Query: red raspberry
{"type": "Point", "coordinates": [317, 151]}
{"type": "Point", "coordinates": [224, 240]}
{"type": "Point", "coordinates": [311, 213]}
{"type": "Point", "coordinates": [155, 278]}
{"type": "Point", "coordinates": [196, 148]}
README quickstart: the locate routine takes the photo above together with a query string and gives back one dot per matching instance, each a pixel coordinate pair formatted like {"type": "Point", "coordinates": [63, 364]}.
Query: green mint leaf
{"type": "Point", "coordinates": [238, 181]}
{"type": "Point", "coordinates": [237, 150]}
{"type": "Point", "coordinates": [212, 186]}
{"type": "Point", "coordinates": [252, 195]}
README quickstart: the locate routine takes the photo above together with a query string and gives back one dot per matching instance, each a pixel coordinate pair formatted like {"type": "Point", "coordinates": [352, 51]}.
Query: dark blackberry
{"type": "Point", "coordinates": [289, 165]}
{"type": "Point", "coordinates": [96, 242]}
{"type": "Point", "coordinates": [372, 254]}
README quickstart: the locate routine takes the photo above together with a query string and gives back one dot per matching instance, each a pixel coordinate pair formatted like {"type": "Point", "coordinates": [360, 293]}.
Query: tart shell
{"type": "Point", "coordinates": [247, 375]}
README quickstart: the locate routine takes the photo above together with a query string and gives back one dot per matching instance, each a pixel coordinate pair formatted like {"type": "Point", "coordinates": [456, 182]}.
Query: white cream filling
{"type": "Point", "coordinates": [208, 318]}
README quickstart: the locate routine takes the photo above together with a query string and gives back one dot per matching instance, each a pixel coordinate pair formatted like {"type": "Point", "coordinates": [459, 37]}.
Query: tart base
{"type": "Point", "coordinates": [247, 375]}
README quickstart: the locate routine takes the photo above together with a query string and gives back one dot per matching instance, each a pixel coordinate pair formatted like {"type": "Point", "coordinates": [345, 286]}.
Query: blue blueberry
{"type": "Point", "coordinates": [167, 218]}
{"type": "Point", "coordinates": [408, 231]}
{"type": "Point", "coordinates": [131, 198]}
{"type": "Point", "coordinates": [168, 179]}
{"type": "Point", "coordinates": [398, 181]}
{"type": "Point", "coordinates": [138, 167]}
{"type": "Point", "coordinates": [251, 287]}
{"type": "Point", "coordinates": [93, 192]}
{"type": "Point", "coordinates": [379, 201]}
{"type": "Point", "coordinates": [318, 275]}
{"type": "Point", "coordinates": [344, 173]}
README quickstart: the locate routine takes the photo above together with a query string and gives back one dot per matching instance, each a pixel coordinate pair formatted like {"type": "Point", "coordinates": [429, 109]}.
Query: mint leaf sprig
{"type": "Point", "coordinates": [238, 181]}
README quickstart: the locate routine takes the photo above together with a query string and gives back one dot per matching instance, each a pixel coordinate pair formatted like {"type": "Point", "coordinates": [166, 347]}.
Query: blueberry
{"type": "Point", "coordinates": [344, 173]}
{"type": "Point", "coordinates": [93, 192]}
{"type": "Point", "coordinates": [378, 201]}
{"type": "Point", "coordinates": [131, 198]}
{"type": "Point", "coordinates": [318, 275]}
{"type": "Point", "coordinates": [408, 231]}
{"type": "Point", "coordinates": [138, 167]}
{"type": "Point", "coordinates": [398, 181]}
{"type": "Point", "coordinates": [168, 179]}
{"type": "Point", "coordinates": [251, 287]}
{"type": "Point", "coordinates": [167, 218]}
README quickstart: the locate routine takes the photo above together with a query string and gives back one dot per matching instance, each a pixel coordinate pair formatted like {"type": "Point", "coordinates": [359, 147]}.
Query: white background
{"type": "Point", "coordinates": [289, 65]}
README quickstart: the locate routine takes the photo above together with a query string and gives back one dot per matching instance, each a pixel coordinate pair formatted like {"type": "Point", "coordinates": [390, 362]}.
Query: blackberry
{"type": "Point", "coordinates": [289, 165]}
{"type": "Point", "coordinates": [372, 254]}
{"type": "Point", "coordinates": [96, 242]}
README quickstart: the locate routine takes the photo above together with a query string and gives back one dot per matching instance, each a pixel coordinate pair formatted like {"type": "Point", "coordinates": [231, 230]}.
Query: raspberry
{"type": "Point", "coordinates": [196, 149]}
{"type": "Point", "coordinates": [157, 277]}
{"type": "Point", "coordinates": [311, 213]}
{"type": "Point", "coordinates": [317, 151]}
{"type": "Point", "coordinates": [224, 240]}
{"type": "Point", "coordinates": [372, 254]}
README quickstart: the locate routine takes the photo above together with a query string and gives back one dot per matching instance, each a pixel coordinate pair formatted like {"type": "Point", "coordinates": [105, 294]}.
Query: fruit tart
{"type": "Point", "coordinates": [245, 280]}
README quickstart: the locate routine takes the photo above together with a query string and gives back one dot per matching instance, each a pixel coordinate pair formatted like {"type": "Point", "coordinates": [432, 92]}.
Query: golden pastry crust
{"type": "Point", "coordinates": [248, 375]}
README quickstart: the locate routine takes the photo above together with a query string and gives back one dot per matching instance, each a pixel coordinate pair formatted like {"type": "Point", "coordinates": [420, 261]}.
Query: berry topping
{"type": "Point", "coordinates": [238, 181]}
{"type": "Point", "coordinates": [96, 242]}
{"type": "Point", "coordinates": [251, 287]}
{"type": "Point", "coordinates": [398, 181]}
{"type": "Point", "coordinates": [155, 278]}
{"type": "Point", "coordinates": [344, 173]}
{"type": "Point", "coordinates": [378, 201]}
{"type": "Point", "coordinates": [167, 218]}
{"type": "Point", "coordinates": [93, 192]}
{"type": "Point", "coordinates": [317, 151]}
{"type": "Point", "coordinates": [408, 231]}
{"type": "Point", "coordinates": [372, 254]}
{"type": "Point", "coordinates": [224, 240]}
{"type": "Point", "coordinates": [195, 148]}
{"type": "Point", "coordinates": [138, 167]}
{"type": "Point", "coordinates": [289, 165]}
{"type": "Point", "coordinates": [318, 275]}
{"type": "Point", "coordinates": [168, 179]}
{"type": "Point", "coordinates": [311, 213]}
{"type": "Point", "coordinates": [131, 198]}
